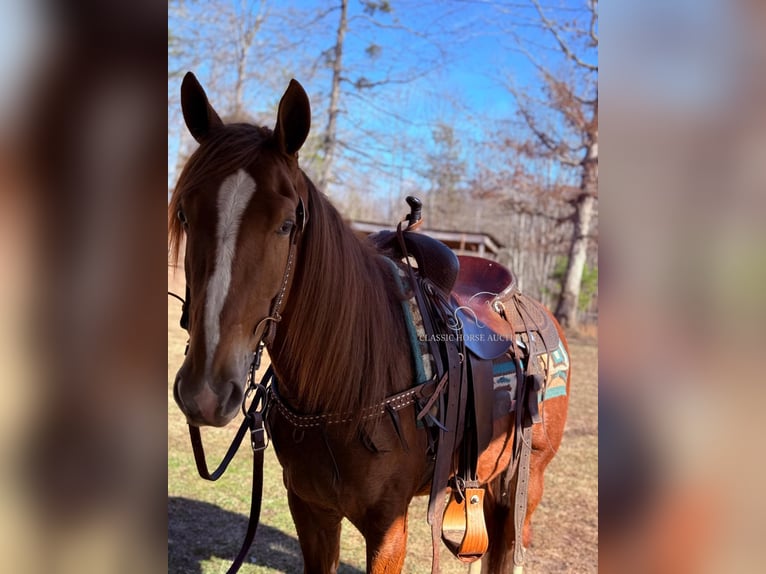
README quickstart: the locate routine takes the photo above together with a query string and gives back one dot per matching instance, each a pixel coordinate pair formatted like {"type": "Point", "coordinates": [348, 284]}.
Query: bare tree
{"type": "Point", "coordinates": [246, 22]}
{"type": "Point", "coordinates": [564, 126]}
{"type": "Point", "coordinates": [361, 76]}
{"type": "Point", "coordinates": [218, 40]}
{"type": "Point", "coordinates": [524, 205]}
{"type": "Point", "coordinates": [329, 143]}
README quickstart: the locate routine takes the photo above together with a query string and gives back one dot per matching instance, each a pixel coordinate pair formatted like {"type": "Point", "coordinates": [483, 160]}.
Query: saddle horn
{"type": "Point", "coordinates": [415, 216]}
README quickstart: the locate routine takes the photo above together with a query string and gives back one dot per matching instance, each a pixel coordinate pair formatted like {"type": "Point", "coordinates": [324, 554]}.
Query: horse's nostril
{"type": "Point", "coordinates": [232, 398]}
{"type": "Point", "coordinates": [177, 393]}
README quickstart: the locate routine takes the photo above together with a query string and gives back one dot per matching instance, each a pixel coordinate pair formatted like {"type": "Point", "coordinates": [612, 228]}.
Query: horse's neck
{"type": "Point", "coordinates": [373, 327]}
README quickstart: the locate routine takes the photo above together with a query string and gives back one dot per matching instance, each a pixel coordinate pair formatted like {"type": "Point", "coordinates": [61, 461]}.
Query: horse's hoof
{"type": "Point", "coordinates": [518, 570]}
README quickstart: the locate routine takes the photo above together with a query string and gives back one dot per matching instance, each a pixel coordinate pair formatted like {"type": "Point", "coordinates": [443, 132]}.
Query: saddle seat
{"type": "Point", "coordinates": [493, 311]}
{"type": "Point", "coordinates": [480, 285]}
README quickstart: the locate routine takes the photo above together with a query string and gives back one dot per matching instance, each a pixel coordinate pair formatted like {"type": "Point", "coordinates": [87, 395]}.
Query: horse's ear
{"type": "Point", "coordinates": [199, 115]}
{"type": "Point", "coordinates": [293, 119]}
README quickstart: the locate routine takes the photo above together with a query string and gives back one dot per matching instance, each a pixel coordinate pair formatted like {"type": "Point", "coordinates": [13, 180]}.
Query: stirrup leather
{"type": "Point", "coordinates": [464, 531]}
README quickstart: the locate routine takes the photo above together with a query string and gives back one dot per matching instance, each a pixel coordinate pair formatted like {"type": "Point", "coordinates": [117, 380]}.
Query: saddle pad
{"type": "Point", "coordinates": [504, 378]}
{"type": "Point", "coordinates": [423, 362]}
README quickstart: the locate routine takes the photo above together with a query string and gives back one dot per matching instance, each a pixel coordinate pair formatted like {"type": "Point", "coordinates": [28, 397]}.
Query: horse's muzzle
{"type": "Point", "coordinates": [206, 406]}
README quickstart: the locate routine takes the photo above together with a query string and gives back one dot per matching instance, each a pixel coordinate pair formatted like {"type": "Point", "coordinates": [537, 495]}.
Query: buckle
{"type": "Point", "coordinates": [259, 438]}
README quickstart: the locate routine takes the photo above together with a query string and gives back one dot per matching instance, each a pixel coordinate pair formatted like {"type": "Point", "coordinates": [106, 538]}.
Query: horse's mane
{"type": "Point", "coordinates": [344, 345]}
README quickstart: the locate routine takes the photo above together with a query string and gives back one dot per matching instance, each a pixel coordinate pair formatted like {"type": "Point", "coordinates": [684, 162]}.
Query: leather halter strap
{"type": "Point", "coordinates": [274, 316]}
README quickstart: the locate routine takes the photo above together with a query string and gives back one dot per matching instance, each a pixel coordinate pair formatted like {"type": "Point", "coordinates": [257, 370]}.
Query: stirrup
{"type": "Point", "coordinates": [464, 531]}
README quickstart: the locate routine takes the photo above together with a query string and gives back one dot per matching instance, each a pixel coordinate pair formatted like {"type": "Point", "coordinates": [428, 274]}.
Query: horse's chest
{"type": "Point", "coordinates": [309, 461]}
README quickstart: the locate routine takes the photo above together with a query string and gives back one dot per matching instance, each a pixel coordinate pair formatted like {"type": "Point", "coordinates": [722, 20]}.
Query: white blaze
{"type": "Point", "coordinates": [233, 198]}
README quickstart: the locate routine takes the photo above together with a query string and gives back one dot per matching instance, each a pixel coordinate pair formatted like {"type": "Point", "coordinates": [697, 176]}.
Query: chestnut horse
{"type": "Point", "coordinates": [258, 231]}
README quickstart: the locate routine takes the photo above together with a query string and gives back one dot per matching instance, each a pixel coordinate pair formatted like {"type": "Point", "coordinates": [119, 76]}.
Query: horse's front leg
{"type": "Point", "coordinates": [319, 535]}
{"type": "Point", "coordinates": [386, 538]}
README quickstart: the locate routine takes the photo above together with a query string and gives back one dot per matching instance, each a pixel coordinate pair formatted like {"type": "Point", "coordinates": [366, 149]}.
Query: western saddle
{"type": "Point", "coordinates": [473, 314]}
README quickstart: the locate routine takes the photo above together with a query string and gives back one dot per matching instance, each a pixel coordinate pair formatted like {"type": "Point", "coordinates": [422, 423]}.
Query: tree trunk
{"type": "Point", "coordinates": [246, 28]}
{"type": "Point", "coordinates": [330, 140]}
{"type": "Point", "coordinates": [566, 310]}
{"type": "Point", "coordinates": [239, 85]}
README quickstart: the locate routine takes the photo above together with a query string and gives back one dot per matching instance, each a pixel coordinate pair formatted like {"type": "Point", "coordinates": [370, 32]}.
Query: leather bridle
{"type": "Point", "coordinates": [254, 414]}
{"type": "Point", "coordinates": [274, 317]}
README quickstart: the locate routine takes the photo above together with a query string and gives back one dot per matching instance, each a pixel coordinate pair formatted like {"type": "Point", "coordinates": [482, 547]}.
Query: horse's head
{"type": "Point", "coordinates": [241, 202]}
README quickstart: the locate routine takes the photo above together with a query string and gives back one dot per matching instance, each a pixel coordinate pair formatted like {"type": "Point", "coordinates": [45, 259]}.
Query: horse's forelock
{"type": "Point", "coordinates": [226, 150]}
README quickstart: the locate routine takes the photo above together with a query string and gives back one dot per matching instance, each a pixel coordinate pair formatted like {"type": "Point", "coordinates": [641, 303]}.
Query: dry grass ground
{"type": "Point", "coordinates": [207, 520]}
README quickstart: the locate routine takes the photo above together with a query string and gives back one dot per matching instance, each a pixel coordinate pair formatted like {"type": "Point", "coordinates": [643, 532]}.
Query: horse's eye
{"type": "Point", "coordinates": [182, 217]}
{"type": "Point", "coordinates": [286, 227]}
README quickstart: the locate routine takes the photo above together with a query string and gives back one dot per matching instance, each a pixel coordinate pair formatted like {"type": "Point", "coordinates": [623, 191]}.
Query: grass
{"type": "Point", "coordinates": [207, 521]}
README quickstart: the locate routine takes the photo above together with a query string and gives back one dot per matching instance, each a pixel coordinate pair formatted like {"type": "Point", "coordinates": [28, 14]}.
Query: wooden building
{"type": "Point", "coordinates": [461, 242]}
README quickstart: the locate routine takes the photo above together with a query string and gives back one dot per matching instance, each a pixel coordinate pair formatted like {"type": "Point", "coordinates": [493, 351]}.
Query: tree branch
{"type": "Point", "coordinates": [593, 20]}
{"type": "Point", "coordinates": [363, 83]}
{"type": "Point", "coordinates": [551, 27]}
{"type": "Point", "coordinates": [545, 72]}
{"type": "Point", "coordinates": [315, 20]}
{"type": "Point", "coordinates": [567, 159]}
{"type": "Point", "coordinates": [541, 136]}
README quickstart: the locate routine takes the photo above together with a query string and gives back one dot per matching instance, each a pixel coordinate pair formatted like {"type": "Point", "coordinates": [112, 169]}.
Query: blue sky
{"type": "Point", "coordinates": [462, 67]}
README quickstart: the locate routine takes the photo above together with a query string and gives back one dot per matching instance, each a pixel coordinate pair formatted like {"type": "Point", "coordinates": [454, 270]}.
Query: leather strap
{"type": "Point", "coordinates": [482, 382]}
{"type": "Point", "coordinates": [255, 512]}
{"type": "Point", "coordinates": [520, 499]}
{"type": "Point", "coordinates": [425, 310]}
{"type": "Point", "coordinates": [522, 448]}
{"type": "Point", "coordinates": [254, 423]}
{"type": "Point", "coordinates": [444, 453]}
{"type": "Point", "coordinates": [199, 452]}
{"type": "Point", "coordinates": [464, 530]}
